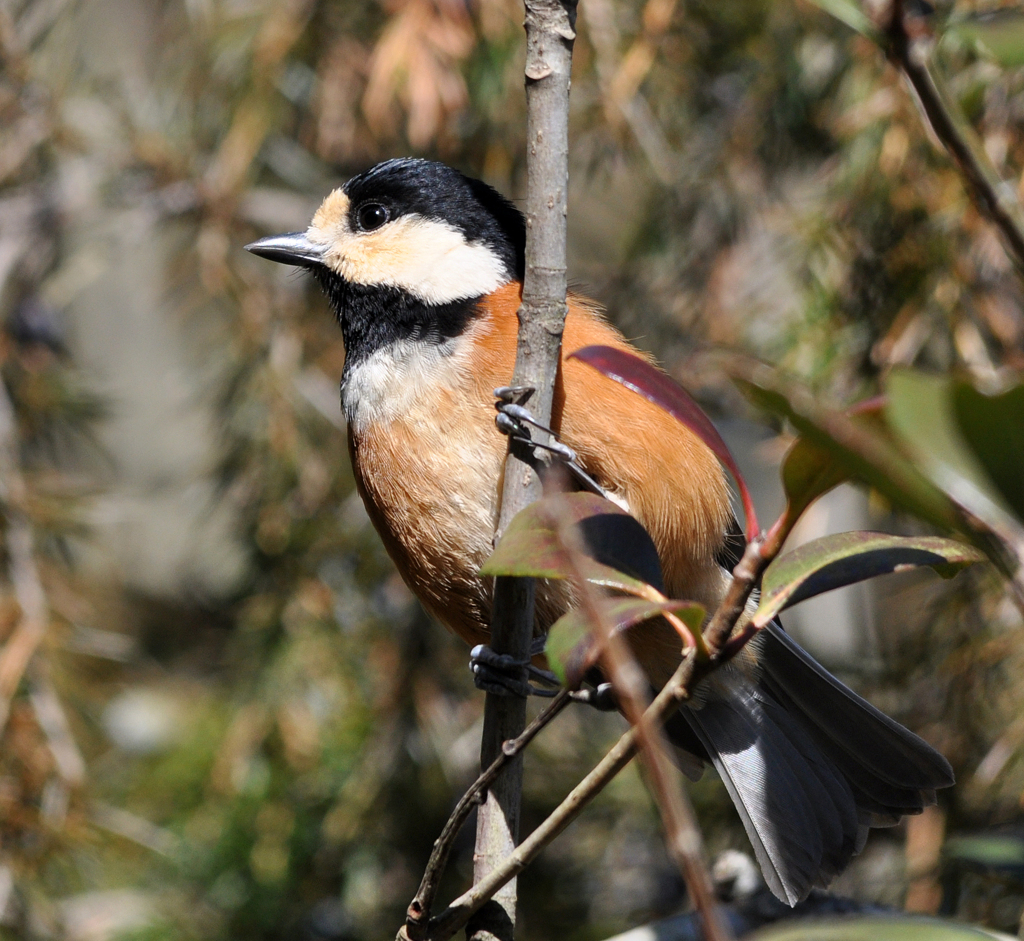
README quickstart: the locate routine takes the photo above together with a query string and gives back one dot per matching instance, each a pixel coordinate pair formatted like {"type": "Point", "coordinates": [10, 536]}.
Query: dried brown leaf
{"type": "Point", "coordinates": [416, 65]}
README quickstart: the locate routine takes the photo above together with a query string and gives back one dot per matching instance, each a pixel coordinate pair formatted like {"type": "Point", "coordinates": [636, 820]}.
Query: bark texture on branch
{"type": "Point", "coordinates": [550, 32]}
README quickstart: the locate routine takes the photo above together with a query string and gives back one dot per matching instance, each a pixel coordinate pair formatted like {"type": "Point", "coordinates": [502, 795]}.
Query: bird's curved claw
{"type": "Point", "coordinates": [520, 395]}
{"type": "Point", "coordinates": [602, 697]}
{"type": "Point", "coordinates": [504, 675]}
{"type": "Point", "coordinates": [513, 419]}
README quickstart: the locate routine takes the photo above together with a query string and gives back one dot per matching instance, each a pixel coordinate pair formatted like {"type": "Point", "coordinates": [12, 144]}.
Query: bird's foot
{"type": "Point", "coordinates": [601, 697]}
{"type": "Point", "coordinates": [514, 420]}
{"type": "Point", "coordinates": [504, 675]}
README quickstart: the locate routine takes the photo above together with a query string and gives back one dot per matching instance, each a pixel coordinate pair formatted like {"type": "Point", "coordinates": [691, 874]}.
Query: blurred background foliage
{"type": "Point", "coordinates": [223, 715]}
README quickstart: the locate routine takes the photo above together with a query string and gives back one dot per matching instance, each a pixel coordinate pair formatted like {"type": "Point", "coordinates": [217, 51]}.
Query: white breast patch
{"type": "Point", "coordinates": [403, 377]}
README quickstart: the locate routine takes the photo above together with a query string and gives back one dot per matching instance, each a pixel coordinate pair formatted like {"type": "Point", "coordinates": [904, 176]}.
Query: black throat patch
{"type": "Point", "coordinates": [373, 317]}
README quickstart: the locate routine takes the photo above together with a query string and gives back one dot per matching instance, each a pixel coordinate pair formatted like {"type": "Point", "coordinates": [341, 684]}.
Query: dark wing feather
{"type": "Point", "coordinates": [857, 730]}
{"type": "Point", "coordinates": [808, 763]}
{"type": "Point", "coordinates": [799, 814]}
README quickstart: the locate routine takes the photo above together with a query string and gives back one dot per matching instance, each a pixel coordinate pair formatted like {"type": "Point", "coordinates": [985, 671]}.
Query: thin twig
{"type": "Point", "coordinates": [459, 912]}
{"type": "Point", "coordinates": [682, 833]}
{"type": "Point", "coordinates": [718, 633]}
{"type": "Point", "coordinates": [690, 672]}
{"type": "Point", "coordinates": [418, 915]}
{"type": "Point", "coordinates": [678, 690]}
{"type": "Point", "coordinates": [550, 32]}
{"type": "Point", "coordinates": [992, 195]}
{"type": "Point", "coordinates": [674, 692]}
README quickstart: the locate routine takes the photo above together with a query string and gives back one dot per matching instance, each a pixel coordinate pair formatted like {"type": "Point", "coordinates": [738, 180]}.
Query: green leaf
{"type": "Point", "coordinates": [872, 928]}
{"type": "Point", "coordinates": [808, 471]}
{"type": "Point", "coordinates": [845, 558]}
{"type": "Point", "coordinates": [850, 13]}
{"type": "Point", "coordinates": [993, 427]}
{"type": "Point", "coordinates": [921, 413]}
{"type": "Point", "coordinates": [569, 649]}
{"type": "Point", "coordinates": [533, 545]}
{"type": "Point", "coordinates": [999, 35]}
{"type": "Point", "coordinates": [858, 447]}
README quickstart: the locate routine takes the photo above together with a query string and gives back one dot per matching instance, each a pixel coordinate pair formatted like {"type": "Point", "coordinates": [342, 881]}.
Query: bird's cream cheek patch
{"type": "Point", "coordinates": [331, 218]}
{"type": "Point", "coordinates": [427, 258]}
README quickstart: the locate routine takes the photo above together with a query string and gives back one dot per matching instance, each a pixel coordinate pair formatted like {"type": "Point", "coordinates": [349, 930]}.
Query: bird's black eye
{"type": "Point", "coordinates": [372, 216]}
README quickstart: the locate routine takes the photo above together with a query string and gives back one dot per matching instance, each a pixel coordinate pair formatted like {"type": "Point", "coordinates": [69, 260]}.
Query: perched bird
{"type": "Point", "coordinates": [423, 267]}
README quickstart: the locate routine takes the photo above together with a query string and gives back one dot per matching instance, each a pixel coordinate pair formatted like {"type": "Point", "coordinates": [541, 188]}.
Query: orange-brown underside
{"type": "Point", "coordinates": [430, 478]}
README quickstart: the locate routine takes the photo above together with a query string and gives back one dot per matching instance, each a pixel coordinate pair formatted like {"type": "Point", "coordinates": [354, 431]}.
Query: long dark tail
{"type": "Point", "coordinates": [809, 764]}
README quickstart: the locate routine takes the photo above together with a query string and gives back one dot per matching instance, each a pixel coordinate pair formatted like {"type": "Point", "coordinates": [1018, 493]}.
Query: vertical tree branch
{"type": "Point", "coordinates": [550, 32]}
{"type": "Point", "coordinates": [417, 919]}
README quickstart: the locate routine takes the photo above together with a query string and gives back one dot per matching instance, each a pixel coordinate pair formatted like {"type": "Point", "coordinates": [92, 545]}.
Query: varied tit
{"type": "Point", "coordinates": [423, 268]}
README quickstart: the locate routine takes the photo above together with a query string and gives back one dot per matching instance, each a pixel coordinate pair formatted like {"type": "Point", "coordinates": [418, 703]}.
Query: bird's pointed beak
{"type": "Point", "coordinates": [294, 248]}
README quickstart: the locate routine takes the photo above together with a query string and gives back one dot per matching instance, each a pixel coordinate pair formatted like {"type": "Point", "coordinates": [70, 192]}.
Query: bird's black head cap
{"type": "Point", "coordinates": [436, 191]}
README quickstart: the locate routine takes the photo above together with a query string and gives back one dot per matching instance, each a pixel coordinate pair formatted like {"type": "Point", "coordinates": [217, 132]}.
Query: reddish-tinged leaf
{"type": "Point", "coordinates": [616, 551]}
{"type": "Point", "coordinates": [570, 648]}
{"type": "Point", "coordinates": [810, 470]}
{"type": "Point", "coordinates": [657, 387]}
{"type": "Point", "coordinates": [845, 558]}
